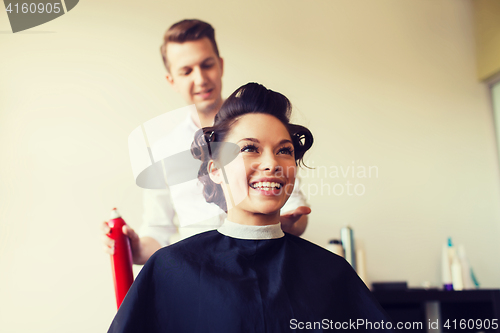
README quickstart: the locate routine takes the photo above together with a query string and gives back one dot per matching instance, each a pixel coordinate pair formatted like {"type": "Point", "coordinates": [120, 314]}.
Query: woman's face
{"type": "Point", "coordinates": [261, 178]}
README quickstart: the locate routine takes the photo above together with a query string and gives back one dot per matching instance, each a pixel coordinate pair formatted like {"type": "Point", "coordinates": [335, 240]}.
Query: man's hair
{"type": "Point", "coordinates": [185, 31]}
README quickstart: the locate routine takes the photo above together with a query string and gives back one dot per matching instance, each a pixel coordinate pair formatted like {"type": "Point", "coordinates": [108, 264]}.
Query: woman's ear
{"type": "Point", "coordinates": [214, 173]}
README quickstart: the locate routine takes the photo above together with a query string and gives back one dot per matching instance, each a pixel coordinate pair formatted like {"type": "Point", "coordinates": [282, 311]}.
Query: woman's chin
{"type": "Point", "coordinates": [267, 209]}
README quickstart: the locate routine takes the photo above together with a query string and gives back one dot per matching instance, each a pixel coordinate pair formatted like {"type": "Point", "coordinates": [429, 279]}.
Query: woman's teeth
{"type": "Point", "coordinates": [266, 185]}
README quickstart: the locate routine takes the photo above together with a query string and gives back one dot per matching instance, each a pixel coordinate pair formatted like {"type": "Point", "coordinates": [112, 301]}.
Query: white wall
{"type": "Point", "coordinates": [385, 83]}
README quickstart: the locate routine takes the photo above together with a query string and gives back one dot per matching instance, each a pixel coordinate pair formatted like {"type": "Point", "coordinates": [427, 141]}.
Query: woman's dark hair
{"type": "Point", "coordinates": [250, 98]}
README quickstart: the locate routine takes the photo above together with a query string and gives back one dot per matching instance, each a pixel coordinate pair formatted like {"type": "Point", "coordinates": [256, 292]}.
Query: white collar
{"type": "Point", "coordinates": [243, 231]}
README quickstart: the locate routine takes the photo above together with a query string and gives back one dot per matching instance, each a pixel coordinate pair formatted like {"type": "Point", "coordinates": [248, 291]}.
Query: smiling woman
{"type": "Point", "coordinates": [248, 275]}
{"type": "Point", "coordinates": [257, 120]}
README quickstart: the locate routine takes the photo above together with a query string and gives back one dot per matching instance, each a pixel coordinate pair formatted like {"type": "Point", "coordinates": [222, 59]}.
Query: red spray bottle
{"type": "Point", "coordinates": [121, 260]}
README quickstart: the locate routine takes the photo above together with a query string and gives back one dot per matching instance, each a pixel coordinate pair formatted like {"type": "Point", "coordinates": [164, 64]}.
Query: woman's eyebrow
{"type": "Point", "coordinates": [257, 141]}
{"type": "Point", "coordinates": [249, 139]}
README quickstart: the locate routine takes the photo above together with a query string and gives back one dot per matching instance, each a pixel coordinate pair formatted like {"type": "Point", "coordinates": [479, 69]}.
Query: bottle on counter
{"type": "Point", "coordinates": [335, 245]}
{"type": "Point", "coordinates": [347, 238]}
{"type": "Point", "coordinates": [446, 268]}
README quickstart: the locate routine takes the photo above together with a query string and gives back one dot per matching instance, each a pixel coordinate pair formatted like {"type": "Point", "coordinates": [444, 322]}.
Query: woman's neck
{"type": "Point", "coordinates": [249, 218]}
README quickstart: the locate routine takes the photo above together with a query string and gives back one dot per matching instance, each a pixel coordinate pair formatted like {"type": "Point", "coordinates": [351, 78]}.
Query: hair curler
{"type": "Point", "coordinates": [121, 260]}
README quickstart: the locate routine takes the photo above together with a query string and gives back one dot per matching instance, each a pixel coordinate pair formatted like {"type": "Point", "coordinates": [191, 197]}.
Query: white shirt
{"type": "Point", "coordinates": [183, 207]}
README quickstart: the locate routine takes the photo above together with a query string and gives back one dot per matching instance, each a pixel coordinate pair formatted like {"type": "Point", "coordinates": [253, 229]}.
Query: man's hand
{"type": "Point", "coordinates": [295, 221]}
{"type": "Point", "coordinates": [142, 248]}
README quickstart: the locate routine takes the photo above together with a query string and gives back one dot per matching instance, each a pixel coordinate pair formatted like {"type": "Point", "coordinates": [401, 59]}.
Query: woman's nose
{"type": "Point", "coordinates": [269, 163]}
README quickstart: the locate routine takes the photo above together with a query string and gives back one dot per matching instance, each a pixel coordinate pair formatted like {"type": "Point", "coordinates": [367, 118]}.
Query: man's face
{"type": "Point", "coordinates": [196, 73]}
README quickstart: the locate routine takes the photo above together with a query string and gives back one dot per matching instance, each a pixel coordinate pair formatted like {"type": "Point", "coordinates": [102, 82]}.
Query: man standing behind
{"type": "Point", "coordinates": [194, 70]}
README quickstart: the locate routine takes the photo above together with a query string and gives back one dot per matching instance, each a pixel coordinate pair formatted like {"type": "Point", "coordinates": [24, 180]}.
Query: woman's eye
{"type": "Point", "coordinates": [249, 149]}
{"type": "Point", "coordinates": [286, 150]}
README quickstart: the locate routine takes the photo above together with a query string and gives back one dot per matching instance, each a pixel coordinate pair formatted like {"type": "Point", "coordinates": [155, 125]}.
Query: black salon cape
{"type": "Point", "coordinates": [215, 283]}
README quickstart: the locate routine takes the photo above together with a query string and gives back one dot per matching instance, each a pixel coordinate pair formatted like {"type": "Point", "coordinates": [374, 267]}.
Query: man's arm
{"type": "Point", "coordinates": [148, 247]}
{"type": "Point", "coordinates": [155, 231]}
{"type": "Point", "coordinates": [142, 248]}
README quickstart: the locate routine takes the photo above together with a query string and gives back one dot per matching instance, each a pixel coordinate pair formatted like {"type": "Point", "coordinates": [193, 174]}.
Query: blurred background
{"type": "Point", "coordinates": [400, 89]}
